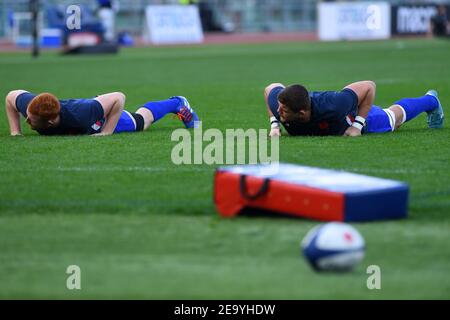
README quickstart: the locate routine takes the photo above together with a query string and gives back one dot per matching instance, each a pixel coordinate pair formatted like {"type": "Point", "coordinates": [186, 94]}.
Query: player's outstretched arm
{"type": "Point", "coordinates": [11, 112]}
{"type": "Point", "coordinates": [274, 123]}
{"type": "Point", "coordinates": [365, 90]}
{"type": "Point", "coordinates": [113, 105]}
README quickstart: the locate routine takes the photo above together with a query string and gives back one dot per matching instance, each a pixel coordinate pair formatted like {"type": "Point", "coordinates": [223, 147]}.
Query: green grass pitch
{"type": "Point", "coordinates": [141, 227]}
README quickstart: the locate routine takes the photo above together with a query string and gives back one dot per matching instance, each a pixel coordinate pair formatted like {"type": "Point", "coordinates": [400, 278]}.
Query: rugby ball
{"type": "Point", "coordinates": [333, 246]}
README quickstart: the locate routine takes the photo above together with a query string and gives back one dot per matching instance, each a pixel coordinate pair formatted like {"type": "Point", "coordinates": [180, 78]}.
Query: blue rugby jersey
{"type": "Point", "coordinates": [78, 116]}
{"type": "Point", "coordinates": [331, 112]}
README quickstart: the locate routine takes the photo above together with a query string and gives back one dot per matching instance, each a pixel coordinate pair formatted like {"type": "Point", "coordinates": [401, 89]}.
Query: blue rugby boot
{"type": "Point", "coordinates": [435, 117]}
{"type": "Point", "coordinates": [186, 114]}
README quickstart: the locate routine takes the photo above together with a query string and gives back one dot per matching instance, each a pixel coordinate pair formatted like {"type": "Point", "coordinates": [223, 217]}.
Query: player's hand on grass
{"type": "Point", "coordinates": [352, 132]}
{"type": "Point", "coordinates": [275, 132]}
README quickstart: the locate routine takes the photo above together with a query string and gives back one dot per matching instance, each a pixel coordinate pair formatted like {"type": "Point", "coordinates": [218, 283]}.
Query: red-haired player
{"type": "Point", "coordinates": [102, 115]}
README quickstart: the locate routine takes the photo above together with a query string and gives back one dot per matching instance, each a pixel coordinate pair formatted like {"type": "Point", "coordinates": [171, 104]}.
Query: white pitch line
{"type": "Point", "coordinates": [195, 168]}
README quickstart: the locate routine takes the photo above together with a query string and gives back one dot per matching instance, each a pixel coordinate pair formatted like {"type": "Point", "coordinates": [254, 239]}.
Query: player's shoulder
{"type": "Point", "coordinates": [20, 99]}
{"type": "Point", "coordinates": [17, 92]}
{"type": "Point", "coordinates": [14, 94]}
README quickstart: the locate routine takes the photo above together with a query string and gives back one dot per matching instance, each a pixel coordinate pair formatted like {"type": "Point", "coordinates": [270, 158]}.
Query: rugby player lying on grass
{"type": "Point", "coordinates": [103, 115]}
{"type": "Point", "coordinates": [349, 112]}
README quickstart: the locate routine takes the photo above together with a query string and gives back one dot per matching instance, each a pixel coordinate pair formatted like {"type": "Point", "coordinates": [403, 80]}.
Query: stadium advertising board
{"type": "Point", "coordinates": [413, 19]}
{"type": "Point", "coordinates": [172, 24]}
{"type": "Point", "coordinates": [354, 21]}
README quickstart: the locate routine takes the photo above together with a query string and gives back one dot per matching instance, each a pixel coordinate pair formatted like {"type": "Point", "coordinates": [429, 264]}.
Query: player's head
{"type": "Point", "coordinates": [295, 104]}
{"type": "Point", "coordinates": [43, 111]}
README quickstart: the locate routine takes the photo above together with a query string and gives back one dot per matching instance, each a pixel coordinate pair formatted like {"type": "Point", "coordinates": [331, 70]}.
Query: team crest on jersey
{"type": "Point", "coordinates": [96, 126]}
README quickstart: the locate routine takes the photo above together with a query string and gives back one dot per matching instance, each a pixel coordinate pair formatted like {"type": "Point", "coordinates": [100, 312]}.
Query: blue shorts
{"type": "Point", "coordinates": [379, 120]}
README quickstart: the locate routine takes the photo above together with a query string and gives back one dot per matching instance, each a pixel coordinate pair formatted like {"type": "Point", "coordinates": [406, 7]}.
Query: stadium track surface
{"type": "Point", "coordinates": [214, 38]}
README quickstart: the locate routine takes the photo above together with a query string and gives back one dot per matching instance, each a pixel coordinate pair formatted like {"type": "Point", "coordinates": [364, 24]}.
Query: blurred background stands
{"type": "Point", "coordinates": [217, 15]}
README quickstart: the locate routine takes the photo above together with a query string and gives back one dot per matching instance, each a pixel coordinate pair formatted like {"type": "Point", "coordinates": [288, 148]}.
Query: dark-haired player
{"type": "Point", "coordinates": [348, 112]}
{"type": "Point", "coordinates": [103, 115]}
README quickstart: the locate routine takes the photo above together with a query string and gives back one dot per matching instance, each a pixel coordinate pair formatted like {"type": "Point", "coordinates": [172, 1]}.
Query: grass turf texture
{"type": "Point", "coordinates": [141, 227]}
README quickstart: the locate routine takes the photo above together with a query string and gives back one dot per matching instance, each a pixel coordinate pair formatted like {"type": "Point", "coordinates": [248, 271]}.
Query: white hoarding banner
{"type": "Point", "coordinates": [172, 24]}
{"type": "Point", "coordinates": [354, 21]}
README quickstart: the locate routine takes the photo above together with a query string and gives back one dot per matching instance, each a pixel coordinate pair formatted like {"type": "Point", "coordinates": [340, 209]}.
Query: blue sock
{"type": "Point", "coordinates": [415, 106]}
{"type": "Point", "coordinates": [160, 108]}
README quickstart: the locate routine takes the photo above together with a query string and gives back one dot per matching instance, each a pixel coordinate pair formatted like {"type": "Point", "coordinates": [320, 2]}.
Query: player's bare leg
{"type": "Point", "coordinates": [147, 115]}
{"type": "Point", "coordinates": [400, 116]}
